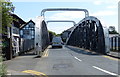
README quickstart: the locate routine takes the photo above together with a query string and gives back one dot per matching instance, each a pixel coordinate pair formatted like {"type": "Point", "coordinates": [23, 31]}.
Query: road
{"type": "Point", "coordinates": [66, 61]}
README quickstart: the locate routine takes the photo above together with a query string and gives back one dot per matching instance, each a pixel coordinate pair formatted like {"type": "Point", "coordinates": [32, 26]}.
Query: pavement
{"type": "Point", "coordinates": [114, 54]}
{"type": "Point", "coordinates": [66, 61]}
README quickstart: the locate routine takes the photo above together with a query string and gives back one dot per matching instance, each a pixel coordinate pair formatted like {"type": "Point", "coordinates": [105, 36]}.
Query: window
{"type": "Point", "coordinates": [31, 24]}
{"type": "Point", "coordinates": [15, 30]}
{"type": "Point", "coordinates": [21, 32]}
{"type": "Point", "coordinates": [27, 26]}
{"type": "Point", "coordinates": [32, 36]}
{"type": "Point", "coordinates": [26, 32]}
{"type": "Point", "coordinates": [32, 32]}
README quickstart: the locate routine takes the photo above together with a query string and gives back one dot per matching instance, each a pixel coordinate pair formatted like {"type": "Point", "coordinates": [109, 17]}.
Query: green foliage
{"type": "Point", "coordinates": [113, 32]}
{"type": "Point", "coordinates": [5, 43]}
{"type": "Point", "coordinates": [2, 68]}
{"type": "Point", "coordinates": [6, 19]}
{"type": "Point", "coordinates": [6, 8]}
{"type": "Point", "coordinates": [52, 33]}
{"type": "Point", "coordinates": [58, 35]}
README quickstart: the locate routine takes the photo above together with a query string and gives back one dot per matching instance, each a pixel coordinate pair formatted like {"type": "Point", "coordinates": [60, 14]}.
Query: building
{"type": "Point", "coordinates": [11, 39]}
{"type": "Point", "coordinates": [20, 37]}
{"type": "Point", "coordinates": [15, 34]}
{"type": "Point", "coordinates": [27, 36]}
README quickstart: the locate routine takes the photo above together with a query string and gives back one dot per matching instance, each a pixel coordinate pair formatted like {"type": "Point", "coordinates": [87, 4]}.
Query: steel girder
{"type": "Point", "coordinates": [41, 35]}
{"type": "Point", "coordinates": [65, 9]}
{"type": "Point", "coordinates": [44, 36]}
{"type": "Point", "coordinates": [88, 34]}
{"type": "Point", "coordinates": [62, 21]}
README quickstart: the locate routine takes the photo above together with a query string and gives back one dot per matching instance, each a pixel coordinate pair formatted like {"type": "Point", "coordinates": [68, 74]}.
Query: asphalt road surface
{"type": "Point", "coordinates": [64, 61]}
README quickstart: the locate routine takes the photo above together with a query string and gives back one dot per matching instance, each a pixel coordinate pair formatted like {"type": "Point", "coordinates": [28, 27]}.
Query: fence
{"type": "Point", "coordinates": [115, 43]}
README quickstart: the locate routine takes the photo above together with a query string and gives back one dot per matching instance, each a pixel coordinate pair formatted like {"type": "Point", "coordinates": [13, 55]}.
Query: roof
{"type": "Point", "coordinates": [27, 23]}
{"type": "Point", "coordinates": [18, 22]}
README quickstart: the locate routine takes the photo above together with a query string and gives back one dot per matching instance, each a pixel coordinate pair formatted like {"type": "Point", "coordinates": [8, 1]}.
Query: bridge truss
{"type": "Point", "coordinates": [88, 33]}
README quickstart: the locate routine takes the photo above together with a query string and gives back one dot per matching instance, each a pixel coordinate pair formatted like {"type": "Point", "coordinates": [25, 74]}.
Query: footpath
{"type": "Point", "coordinates": [114, 54]}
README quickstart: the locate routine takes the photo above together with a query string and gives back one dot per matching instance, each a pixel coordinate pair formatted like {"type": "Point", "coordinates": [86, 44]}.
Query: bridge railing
{"type": "Point", "coordinates": [115, 43]}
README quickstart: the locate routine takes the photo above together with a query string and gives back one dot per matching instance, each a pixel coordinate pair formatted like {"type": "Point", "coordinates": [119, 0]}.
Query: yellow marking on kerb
{"type": "Point", "coordinates": [40, 74]}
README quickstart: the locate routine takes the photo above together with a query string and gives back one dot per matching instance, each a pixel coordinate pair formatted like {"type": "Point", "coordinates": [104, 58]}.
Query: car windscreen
{"type": "Point", "coordinates": [57, 39]}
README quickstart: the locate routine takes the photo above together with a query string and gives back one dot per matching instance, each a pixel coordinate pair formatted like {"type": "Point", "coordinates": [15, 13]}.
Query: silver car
{"type": "Point", "coordinates": [57, 42]}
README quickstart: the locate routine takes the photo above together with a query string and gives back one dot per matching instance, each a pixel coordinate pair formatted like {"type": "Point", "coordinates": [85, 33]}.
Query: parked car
{"type": "Point", "coordinates": [57, 42]}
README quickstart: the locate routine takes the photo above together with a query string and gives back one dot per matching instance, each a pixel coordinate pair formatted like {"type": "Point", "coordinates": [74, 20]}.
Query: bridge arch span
{"type": "Point", "coordinates": [88, 34]}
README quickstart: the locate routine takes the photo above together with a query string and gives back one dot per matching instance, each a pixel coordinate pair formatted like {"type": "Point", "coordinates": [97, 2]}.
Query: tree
{"type": "Point", "coordinates": [58, 34]}
{"type": "Point", "coordinates": [112, 30]}
{"type": "Point", "coordinates": [6, 7]}
{"type": "Point", "coordinates": [51, 35]}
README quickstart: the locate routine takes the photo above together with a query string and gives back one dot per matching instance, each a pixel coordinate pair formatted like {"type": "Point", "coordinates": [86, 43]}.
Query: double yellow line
{"type": "Point", "coordinates": [111, 58]}
{"type": "Point", "coordinates": [40, 74]}
{"type": "Point", "coordinates": [46, 53]}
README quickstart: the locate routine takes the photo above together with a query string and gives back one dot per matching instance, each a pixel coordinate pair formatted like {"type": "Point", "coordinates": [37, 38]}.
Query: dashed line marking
{"type": "Point", "coordinates": [104, 70]}
{"type": "Point", "coordinates": [77, 59]}
{"type": "Point", "coordinates": [40, 74]}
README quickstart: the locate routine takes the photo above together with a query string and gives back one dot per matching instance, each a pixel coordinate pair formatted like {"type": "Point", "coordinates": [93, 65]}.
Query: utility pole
{"type": "Point", "coordinates": [10, 44]}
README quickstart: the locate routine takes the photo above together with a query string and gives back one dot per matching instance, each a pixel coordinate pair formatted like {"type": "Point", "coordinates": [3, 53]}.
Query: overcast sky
{"type": "Point", "coordinates": [105, 10]}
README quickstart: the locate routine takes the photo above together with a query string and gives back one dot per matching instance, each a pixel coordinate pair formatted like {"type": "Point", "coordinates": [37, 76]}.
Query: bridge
{"type": "Point", "coordinates": [79, 56]}
{"type": "Point", "coordinates": [74, 23]}
{"type": "Point", "coordinates": [89, 33]}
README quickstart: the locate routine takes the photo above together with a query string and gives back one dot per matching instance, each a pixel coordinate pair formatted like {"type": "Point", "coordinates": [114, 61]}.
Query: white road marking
{"type": "Point", "coordinates": [104, 70]}
{"type": "Point", "coordinates": [77, 59]}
